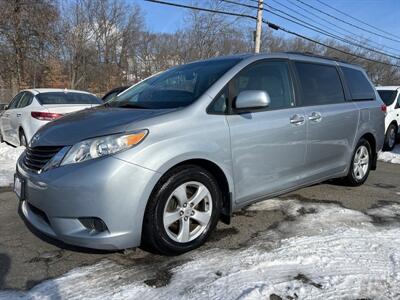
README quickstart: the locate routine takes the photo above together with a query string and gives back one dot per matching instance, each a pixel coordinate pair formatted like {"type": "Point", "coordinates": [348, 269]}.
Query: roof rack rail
{"type": "Point", "coordinates": [319, 56]}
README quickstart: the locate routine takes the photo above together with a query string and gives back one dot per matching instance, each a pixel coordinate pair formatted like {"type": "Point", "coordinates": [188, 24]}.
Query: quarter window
{"type": "Point", "coordinates": [320, 84]}
{"type": "Point", "coordinates": [272, 77]}
{"type": "Point", "coordinates": [360, 88]}
{"type": "Point", "coordinates": [220, 103]}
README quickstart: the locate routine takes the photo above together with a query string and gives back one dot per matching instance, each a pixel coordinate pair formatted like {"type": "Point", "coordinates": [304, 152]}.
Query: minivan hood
{"type": "Point", "coordinates": [90, 123]}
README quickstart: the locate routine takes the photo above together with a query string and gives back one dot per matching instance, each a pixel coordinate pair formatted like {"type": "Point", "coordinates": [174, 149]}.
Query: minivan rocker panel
{"type": "Point", "coordinates": [223, 158]}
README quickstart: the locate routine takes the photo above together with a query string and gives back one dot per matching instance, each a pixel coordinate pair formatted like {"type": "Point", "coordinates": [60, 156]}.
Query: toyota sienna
{"type": "Point", "coordinates": [160, 164]}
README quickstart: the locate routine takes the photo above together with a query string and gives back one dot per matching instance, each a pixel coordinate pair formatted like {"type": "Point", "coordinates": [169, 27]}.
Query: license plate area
{"type": "Point", "coordinates": [19, 187]}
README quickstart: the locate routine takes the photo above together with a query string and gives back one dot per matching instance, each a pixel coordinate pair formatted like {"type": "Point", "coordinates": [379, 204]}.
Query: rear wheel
{"type": "Point", "coordinates": [390, 137]}
{"type": "Point", "coordinates": [22, 138]}
{"type": "Point", "coordinates": [182, 211]}
{"type": "Point", "coordinates": [360, 164]}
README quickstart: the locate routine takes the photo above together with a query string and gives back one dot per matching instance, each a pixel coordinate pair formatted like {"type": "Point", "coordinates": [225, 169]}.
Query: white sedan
{"type": "Point", "coordinates": [31, 109]}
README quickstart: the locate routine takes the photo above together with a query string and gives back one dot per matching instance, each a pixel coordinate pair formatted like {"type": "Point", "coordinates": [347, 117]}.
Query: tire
{"type": "Point", "coordinates": [359, 169]}
{"type": "Point", "coordinates": [390, 138]}
{"type": "Point", "coordinates": [167, 203]}
{"type": "Point", "coordinates": [22, 139]}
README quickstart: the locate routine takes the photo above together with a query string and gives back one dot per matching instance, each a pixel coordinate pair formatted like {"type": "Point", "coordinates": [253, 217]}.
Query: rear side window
{"type": "Point", "coordinates": [15, 100]}
{"type": "Point", "coordinates": [387, 96]}
{"type": "Point", "coordinates": [270, 76]}
{"type": "Point", "coordinates": [67, 98]}
{"type": "Point", "coordinates": [320, 84]}
{"type": "Point", "coordinates": [360, 88]}
{"type": "Point", "coordinates": [25, 100]}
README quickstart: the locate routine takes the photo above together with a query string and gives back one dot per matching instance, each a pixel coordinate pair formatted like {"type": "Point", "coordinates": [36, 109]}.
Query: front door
{"type": "Point", "coordinates": [268, 146]}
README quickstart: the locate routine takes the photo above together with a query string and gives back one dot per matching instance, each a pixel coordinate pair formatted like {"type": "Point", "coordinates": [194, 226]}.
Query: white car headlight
{"type": "Point", "coordinates": [101, 146]}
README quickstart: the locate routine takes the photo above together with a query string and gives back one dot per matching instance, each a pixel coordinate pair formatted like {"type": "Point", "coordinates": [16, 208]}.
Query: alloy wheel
{"type": "Point", "coordinates": [187, 212]}
{"type": "Point", "coordinates": [361, 162]}
{"type": "Point", "coordinates": [392, 137]}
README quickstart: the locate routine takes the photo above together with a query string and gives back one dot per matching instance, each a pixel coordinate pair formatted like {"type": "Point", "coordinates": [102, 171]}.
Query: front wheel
{"type": "Point", "coordinates": [182, 211]}
{"type": "Point", "coordinates": [360, 164]}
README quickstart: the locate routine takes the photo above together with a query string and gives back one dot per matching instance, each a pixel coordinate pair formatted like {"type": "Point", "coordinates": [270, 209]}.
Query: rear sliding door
{"type": "Point", "coordinates": [331, 120]}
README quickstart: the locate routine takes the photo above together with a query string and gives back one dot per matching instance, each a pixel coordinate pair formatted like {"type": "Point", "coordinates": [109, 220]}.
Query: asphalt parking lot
{"type": "Point", "coordinates": [27, 258]}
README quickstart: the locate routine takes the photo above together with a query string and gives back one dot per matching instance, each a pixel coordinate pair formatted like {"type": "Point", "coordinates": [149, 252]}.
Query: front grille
{"type": "Point", "coordinates": [36, 158]}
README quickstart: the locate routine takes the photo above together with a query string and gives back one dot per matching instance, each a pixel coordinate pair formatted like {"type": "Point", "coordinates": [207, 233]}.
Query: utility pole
{"type": "Point", "coordinates": [257, 36]}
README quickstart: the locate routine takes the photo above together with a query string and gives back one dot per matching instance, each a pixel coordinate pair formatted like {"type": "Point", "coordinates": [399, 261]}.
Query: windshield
{"type": "Point", "coordinates": [388, 96]}
{"type": "Point", "coordinates": [67, 98]}
{"type": "Point", "coordinates": [177, 87]}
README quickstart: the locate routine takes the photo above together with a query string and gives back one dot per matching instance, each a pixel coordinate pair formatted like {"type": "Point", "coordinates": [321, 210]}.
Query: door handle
{"type": "Point", "coordinates": [297, 119]}
{"type": "Point", "coordinates": [18, 115]}
{"type": "Point", "coordinates": [315, 116]}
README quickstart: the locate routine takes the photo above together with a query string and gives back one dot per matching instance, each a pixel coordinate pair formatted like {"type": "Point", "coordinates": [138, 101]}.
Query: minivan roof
{"type": "Point", "coordinates": [291, 55]}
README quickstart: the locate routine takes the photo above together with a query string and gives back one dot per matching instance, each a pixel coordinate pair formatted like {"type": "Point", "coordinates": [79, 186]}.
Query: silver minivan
{"type": "Point", "coordinates": [164, 161]}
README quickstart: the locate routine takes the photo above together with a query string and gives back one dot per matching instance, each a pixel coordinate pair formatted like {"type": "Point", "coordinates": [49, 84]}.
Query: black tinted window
{"type": "Point", "coordinates": [387, 96]}
{"type": "Point", "coordinates": [272, 77]}
{"type": "Point", "coordinates": [67, 98]}
{"type": "Point", "coordinates": [360, 88]}
{"type": "Point", "coordinates": [320, 84]}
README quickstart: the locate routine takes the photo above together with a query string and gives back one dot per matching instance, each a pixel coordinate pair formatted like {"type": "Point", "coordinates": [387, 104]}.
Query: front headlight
{"type": "Point", "coordinates": [102, 146]}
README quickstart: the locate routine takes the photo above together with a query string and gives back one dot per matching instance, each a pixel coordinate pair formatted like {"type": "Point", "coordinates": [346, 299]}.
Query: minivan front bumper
{"type": "Point", "coordinates": [107, 189]}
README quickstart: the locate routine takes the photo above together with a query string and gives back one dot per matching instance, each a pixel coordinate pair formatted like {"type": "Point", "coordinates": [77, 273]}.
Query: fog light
{"type": "Point", "coordinates": [94, 224]}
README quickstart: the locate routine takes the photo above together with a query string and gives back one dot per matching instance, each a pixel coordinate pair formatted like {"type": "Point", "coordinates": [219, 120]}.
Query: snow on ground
{"type": "Point", "coordinates": [8, 159]}
{"type": "Point", "coordinates": [320, 251]}
{"type": "Point", "coordinates": [391, 157]}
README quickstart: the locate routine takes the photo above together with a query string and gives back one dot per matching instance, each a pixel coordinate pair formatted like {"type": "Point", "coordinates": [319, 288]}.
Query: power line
{"type": "Point", "coordinates": [348, 23]}
{"type": "Point", "coordinates": [312, 27]}
{"type": "Point", "coordinates": [273, 26]}
{"type": "Point", "coordinates": [358, 20]}
{"type": "Point", "coordinates": [202, 9]}
{"type": "Point", "coordinates": [360, 39]}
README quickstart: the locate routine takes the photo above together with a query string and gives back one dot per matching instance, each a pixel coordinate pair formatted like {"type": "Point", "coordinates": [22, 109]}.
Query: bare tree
{"type": "Point", "coordinates": [25, 38]}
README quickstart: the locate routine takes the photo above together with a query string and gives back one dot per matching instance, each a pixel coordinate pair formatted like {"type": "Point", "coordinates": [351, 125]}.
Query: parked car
{"type": "Point", "coordinates": [31, 109]}
{"type": "Point", "coordinates": [160, 164]}
{"type": "Point", "coordinates": [390, 96]}
{"type": "Point", "coordinates": [113, 93]}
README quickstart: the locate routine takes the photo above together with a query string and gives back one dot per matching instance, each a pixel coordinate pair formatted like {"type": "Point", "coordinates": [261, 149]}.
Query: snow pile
{"type": "Point", "coordinates": [391, 157]}
{"type": "Point", "coordinates": [8, 159]}
{"type": "Point", "coordinates": [320, 251]}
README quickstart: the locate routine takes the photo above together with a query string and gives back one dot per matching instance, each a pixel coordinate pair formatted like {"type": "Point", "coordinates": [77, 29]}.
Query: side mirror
{"type": "Point", "coordinates": [252, 100]}
{"type": "Point", "coordinates": [5, 107]}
